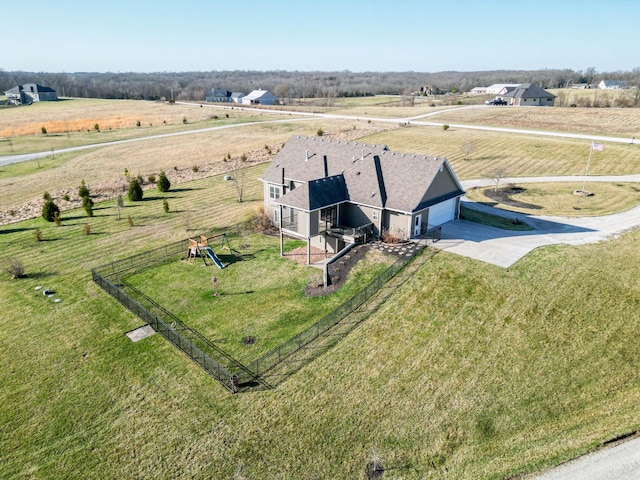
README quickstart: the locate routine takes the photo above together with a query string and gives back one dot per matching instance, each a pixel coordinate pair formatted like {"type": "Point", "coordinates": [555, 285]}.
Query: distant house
{"type": "Point", "coordinates": [581, 86]}
{"type": "Point", "coordinates": [236, 97]}
{"type": "Point", "coordinates": [495, 89]}
{"type": "Point", "coordinates": [218, 96]}
{"type": "Point", "coordinates": [332, 193]}
{"type": "Point", "coordinates": [259, 97]}
{"type": "Point", "coordinates": [612, 85]}
{"type": "Point", "coordinates": [30, 92]}
{"type": "Point", "coordinates": [529, 94]}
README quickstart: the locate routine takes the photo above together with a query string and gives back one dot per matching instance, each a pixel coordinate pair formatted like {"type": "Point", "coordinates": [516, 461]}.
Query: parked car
{"type": "Point", "coordinates": [496, 101]}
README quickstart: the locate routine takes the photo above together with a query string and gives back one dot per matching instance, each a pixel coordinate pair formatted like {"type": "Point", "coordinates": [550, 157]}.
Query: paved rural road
{"type": "Point", "coordinates": [416, 120]}
{"type": "Point", "coordinates": [7, 160]}
{"type": "Point", "coordinates": [620, 462]}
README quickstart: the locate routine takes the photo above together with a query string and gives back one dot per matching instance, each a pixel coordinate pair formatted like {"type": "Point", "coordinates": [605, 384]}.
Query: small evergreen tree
{"type": "Point", "coordinates": [87, 204]}
{"type": "Point", "coordinates": [49, 210]}
{"type": "Point", "coordinates": [165, 205]}
{"type": "Point", "coordinates": [83, 191]}
{"type": "Point", "coordinates": [163, 182]}
{"type": "Point", "coordinates": [135, 191]}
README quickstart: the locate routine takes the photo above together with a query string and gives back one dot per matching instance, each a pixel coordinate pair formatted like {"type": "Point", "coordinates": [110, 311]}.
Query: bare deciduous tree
{"type": "Point", "coordinates": [497, 175]}
{"type": "Point", "coordinates": [238, 177]}
{"type": "Point", "coordinates": [468, 147]}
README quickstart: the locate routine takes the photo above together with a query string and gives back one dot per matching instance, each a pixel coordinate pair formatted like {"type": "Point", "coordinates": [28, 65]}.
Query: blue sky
{"type": "Point", "coordinates": [324, 35]}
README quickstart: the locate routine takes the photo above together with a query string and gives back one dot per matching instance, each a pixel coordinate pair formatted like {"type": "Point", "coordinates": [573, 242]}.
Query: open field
{"type": "Point", "coordinates": [260, 293]}
{"type": "Point", "coordinates": [595, 97]}
{"type": "Point", "coordinates": [557, 199]}
{"type": "Point", "coordinates": [70, 123]}
{"type": "Point", "coordinates": [518, 155]}
{"type": "Point", "coordinates": [623, 122]}
{"type": "Point", "coordinates": [104, 166]}
{"type": "Point", "coordinates": [505, 371]}
{"type": "Point", "coordinates": [466, 371]}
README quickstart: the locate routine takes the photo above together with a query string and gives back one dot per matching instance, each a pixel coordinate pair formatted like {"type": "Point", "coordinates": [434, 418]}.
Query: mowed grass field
{"type": "Point", "coordinates": [467, 371]}
{"type": "Point", "coordinates": [623, 122]}
{"type": "Point", "coordinates": [517, 155]}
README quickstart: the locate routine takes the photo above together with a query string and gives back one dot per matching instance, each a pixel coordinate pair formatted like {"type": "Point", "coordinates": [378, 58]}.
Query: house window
{"type": "Point", "coordinates": [375, 215]}
{"type": "Point", "coordinates": [274, 192]}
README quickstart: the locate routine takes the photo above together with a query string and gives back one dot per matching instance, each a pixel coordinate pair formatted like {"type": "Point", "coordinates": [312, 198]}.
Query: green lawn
{"type": "Point", "coordinates": [465, 370]}
{"type": "Point", "coordinates": [260, 294]}
{"type": "Point", "coordinates": [558, 198]}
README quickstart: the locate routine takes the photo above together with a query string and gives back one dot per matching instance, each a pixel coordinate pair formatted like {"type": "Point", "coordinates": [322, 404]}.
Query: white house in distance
{"type": "Point", "coordinates": [335, 193]}
{"type": "Point", "coordinates": [612, 85]}
{"type": "Point", "coordinates": [30, 92]}
{"type": "Point", "coordinates": [259, 97]}
{"type": "Point", "coordinates": [495, 89]}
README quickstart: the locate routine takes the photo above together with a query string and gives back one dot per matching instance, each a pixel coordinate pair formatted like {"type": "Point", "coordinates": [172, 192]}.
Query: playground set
{"type": "Point", "coordinates": [203, 250]}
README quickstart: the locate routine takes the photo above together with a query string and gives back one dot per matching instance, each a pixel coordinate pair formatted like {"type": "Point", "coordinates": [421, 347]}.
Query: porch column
{"type": "Point", "coordinates": [309, 238]}
{"type": "Point", "coordinates": [281, 235]}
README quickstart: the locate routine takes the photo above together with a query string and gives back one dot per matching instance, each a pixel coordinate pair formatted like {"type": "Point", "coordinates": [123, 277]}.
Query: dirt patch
{"type": "Point", "coordinates": [338, 272]}
{"type": "Point", "coordinates": [503, 195]}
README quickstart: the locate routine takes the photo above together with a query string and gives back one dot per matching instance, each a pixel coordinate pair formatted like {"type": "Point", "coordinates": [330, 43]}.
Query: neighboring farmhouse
{"type": "Point", "coordinates": [257, 97]}
{"type": "Point", "coordinates": [333, 193]}
{"type": "Point", "coordinates": [222, 96]}
{"type": "Point", "coordinates": [260, 97]}
{"type": "Point", "coordinates": [612, 85]}
{"type": "Point", "coordinates": [529, 94]}
{"type": "Point", "coordinates": [495, 89]}
{"type": "Point", "coordinates": [30, 92]}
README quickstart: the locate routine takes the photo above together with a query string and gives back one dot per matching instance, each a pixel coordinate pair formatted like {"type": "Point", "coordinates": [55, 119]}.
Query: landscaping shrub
{"type": "Point", "coordinates": [49, 210]}
{"type": "Point", "coordinates": [445, 127]}
{"type": "Point", "coordinates": [165, 205]}
{"type": "Point", "coordinates": [397, 235]}
{"type": "Point", "coordinates": [195, 168]}
{"type": "Point", "coordinates": [320, 132]}
{"type": "Point", "coordinates": [15, 269]}
{"type": "Point", "coordinates": [151, 178]}
{"type": "Point", "coordinates": [56, 219]}
{"type": "Point", "coordinates": [130, 221]}
{"type": "Point", "coordinates": [260, 222]}
{"type": "Point", "coordinates": [87, 229]}
{"type": "Point", "coordinates": [163, 182]}
{"type": "Point", "coordinates": [135, 191]}
{"type": "Point", "coordinates": [38, 234]}
{"type": "Point", "coordinates": [43, 130]}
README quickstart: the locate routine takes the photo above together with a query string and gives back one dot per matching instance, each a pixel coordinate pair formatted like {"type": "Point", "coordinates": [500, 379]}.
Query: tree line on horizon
{"type": "Point", "coordinates": [293, 84]}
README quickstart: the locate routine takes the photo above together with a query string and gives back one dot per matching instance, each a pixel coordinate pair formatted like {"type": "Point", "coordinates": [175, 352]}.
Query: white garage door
{"type": "Point", "coordinates": [442, 212]}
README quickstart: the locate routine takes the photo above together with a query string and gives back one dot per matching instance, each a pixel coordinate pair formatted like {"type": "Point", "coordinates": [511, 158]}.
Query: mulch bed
{"type": "Point", "coordinates": [338, 272]}
{"type": "Point", "coordinates": [503, 195]}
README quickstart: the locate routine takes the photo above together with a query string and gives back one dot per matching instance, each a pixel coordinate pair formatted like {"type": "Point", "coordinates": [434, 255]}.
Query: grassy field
{"type": "Point", "coordinates": [260, 293]}
{"type": "Point", "coordinates": [465, 371]}
{"type": "Point", "coordinates": [558, 198]}
{"type": "Point", "coordinates": [623, 122]}
{"type": "Point", "coordinates": [518, 155]}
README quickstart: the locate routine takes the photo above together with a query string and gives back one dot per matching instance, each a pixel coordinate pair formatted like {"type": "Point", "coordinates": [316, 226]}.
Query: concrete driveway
{"type": "Point", "coordinates": [505, 247]}
{"type": "Point", "coordinates": [619, 462]}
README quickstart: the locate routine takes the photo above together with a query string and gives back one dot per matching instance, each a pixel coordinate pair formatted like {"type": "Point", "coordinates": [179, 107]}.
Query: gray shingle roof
{"type": "Point", "coordinates": [316, 194]}
{"type": "Point", "coordinates": [372, 175]}
{"type": "Point", "coordinates": [529, 90]}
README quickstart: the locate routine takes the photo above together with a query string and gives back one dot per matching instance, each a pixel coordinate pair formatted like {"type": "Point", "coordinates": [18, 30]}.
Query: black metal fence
{"type": "Point", "coordinates": [215, 361]}
{"type": "Point", "coordinates": [174, 332]}
{"type": "Point", "coordinates": [269, 360]}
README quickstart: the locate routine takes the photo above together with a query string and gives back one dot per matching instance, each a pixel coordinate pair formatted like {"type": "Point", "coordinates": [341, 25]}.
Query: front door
{"type": "Point", "coordinates": [417, 225]}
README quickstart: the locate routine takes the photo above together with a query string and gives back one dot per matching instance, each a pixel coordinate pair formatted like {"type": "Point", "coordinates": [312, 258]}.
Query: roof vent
{"type": "Point", "coordinates": [357, 173]}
